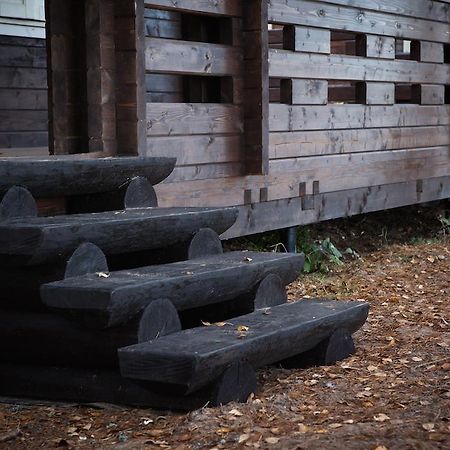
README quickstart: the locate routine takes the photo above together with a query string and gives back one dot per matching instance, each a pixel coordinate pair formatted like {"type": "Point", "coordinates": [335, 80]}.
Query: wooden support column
{"type": "Point", "coordinates": [100, 75]}
{"type": "Point", "coordinates": [96, 76]}
{"type": "Point", "coordinates": [66, 76]}
{"type": "Point", "coordinates": [256, 86]}
{"type": "Point", "coordinates": [130, 80]}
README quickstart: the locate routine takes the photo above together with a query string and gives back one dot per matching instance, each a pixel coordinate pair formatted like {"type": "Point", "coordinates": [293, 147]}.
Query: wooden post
{"type": "Point", "coordinates": [130, 70]}
{"type": "Point", "coordinates": [96, 76]}
{"type": "Point", "coordinates": [256, 86]}
{"type": "Point", "coordinates": [100, 75]}
{"type": "Point", "coordinates": [66, 76]}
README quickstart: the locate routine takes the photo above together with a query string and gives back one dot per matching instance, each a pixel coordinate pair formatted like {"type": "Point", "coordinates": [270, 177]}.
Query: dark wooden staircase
{"type": "Point", "coordinates": [90, 315]}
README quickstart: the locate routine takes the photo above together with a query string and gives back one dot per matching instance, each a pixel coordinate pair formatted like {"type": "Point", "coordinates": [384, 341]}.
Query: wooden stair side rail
{"type": "Point", "coordinates": [195, 358]}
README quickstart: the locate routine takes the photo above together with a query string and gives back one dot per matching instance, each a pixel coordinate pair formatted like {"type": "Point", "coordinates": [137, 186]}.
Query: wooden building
{"type": "Point", "coordinates": [295, 111]}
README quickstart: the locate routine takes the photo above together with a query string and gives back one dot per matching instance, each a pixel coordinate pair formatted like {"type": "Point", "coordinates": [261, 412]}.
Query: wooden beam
{"type": "Point", "coordinates": [371, 46]}
{"type": "Point", "coordinates": [372, 93]}
{"type": "Point", "coordinates": [256, 86]}
{"type": "Point", "coordinates": [428, 94]}
{"type": "Point", "coordinates": [304, 92]}
{"type": "Point", "coordinates": [130, 70]}
{"type": "Point", "coordinates": [231, 8]}
{"type": "Point", "coordinates": [285, 64]}
{"type": "Point", "coordinates": [306, 39]}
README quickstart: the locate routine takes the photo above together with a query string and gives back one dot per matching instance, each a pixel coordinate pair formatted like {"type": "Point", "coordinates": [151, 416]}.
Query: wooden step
{"type": "Point", "coordinates": [108, 386]}
{"type": "Point", "coordinates": [39, 240]}
{"type": "Point", "coordinates": [194, 358]}
{"type": "Point", "coordinates": [66, 175]}
{"type": "Point", "coordinates": [115, 299]}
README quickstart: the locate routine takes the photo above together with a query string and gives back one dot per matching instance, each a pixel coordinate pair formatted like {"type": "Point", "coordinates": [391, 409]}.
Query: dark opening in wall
{"type": "Point", "coordinates": [274, 90]}
{"type": "Point", "coordinates": [343, 43]}
{"type": "Point", "coordinates": [342, 91]}
{"type": "Point", "coordinates": [447, 95]}
{"type": "Point", "coordinates": [447, 53]}
{"type": "Point", "coordinates": [404, 93]}
{"type": "Point", "coordinates": [406, 49]}
{"type": "Point", "coordinates": [198, 89]}
{"type": "Point", "coordinates": [276, 36]}
{"type": "Point", "coordinates": [214, 30]}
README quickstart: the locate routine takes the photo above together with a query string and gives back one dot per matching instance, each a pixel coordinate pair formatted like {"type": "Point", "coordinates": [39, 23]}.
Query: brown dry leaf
{"type": "Point", "coordinates": [272, 440]}
{"type": "Point", "coordinates": [220, 324]}
{"type": "Point", "coordinates": [236, 412]}
{"type": "Point", "coordinates": [334, 426]}
{"type": "Point", "coordinates": [428, 426]}
{"type": "Point", "coordinates": [243, 438]}
{"type": "Point", "coordinates": [206, 324]}
{"type": "Point", "coordinates": [242, 329]}
{"type": "Point", "coordinates": [381, 447]}
{"type": "Point", "coordinates": [247, 259]}
{"type": "Point", "coordinates": [303, 428]}
{"type": "Point", "coordinates": [381, 417]}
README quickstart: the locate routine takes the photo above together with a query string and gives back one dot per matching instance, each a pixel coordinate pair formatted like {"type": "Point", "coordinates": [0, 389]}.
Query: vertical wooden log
{"type": "Point", "coordinates": [66, 76]}
{"type": "Point", "coordinates": [130, 83]}
{"type": "Point", "coordinates": [100, 67]}
{"type": "Point", "coordinates": [256, 86]}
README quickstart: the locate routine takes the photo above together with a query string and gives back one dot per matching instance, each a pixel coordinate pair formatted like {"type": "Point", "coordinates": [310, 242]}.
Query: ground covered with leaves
{"type": "Point", "coordinates": [394, 393]}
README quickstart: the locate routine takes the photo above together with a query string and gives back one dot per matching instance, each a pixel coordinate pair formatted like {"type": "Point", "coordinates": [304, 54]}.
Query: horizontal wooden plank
{"type": "Point", "coordinates": [328, 142]}
{"type": "Point", "coordinates": [212, 7]}
{"type": "Point", "coordinates": [335, 172]}
{"type": "Point", "coordinates": [422, 9]}
{"type": "Point", "coordinates": [23, 99]}
{"type": "Point", "coordinates": [21, 56]}
{"type": "Point", "coordinates": [165, 119]}
{"type": "Point", "coordinates": [23, 78]}
{"type": "Point", "coordinates": [326, 15]}
{"type": "Point", "coordinates": [200, 149]}
{"type": "Point", "coordinates": [286, 64]}
{"type": "Point", "coordinates": [13, 120]}
{"type": "Point", "coordinates": [267, 216]}
{"type": "Point", "coordinates": [296, 118]}
{"type": "Point", "coordinates": [173, 56]}
{"type": "Point", "coordinates": [33, 150]}
{"type": "Point", "coordinates": [19, 141]}
{"type": "Point", "coordinates": [206, 171]}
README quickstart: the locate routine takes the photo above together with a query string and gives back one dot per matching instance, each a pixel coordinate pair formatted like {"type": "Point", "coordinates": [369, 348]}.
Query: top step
{"type": "Point", "coordinates": [66, 175]}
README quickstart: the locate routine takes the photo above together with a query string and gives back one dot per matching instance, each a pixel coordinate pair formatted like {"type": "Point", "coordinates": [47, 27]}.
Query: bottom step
{"type": "Point", "coordinates": [196, 357]}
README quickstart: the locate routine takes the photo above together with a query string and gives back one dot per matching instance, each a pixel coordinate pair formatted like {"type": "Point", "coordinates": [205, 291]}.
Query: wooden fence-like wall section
{"type": "Point", "coordinates": [351, 98]}
{"type": "Point", "coordinates": [23, 95]}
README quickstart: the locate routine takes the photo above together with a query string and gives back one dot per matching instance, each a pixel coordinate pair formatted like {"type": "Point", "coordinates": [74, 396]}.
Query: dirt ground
{"type": "Point", "coordinates": [394, 393]}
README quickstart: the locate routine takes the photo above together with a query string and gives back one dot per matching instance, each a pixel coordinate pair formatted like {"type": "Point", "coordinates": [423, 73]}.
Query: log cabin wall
{"type": "Point", "coordinates": [23, 96]}
{"type": "Point", "coordinates": [357, 102]}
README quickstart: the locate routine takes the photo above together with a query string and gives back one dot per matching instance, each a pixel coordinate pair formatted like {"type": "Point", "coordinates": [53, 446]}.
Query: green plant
{"type": "Point", "coordinates": [445, 224]}
{"type": "Point", "coordinates": [321, 255]}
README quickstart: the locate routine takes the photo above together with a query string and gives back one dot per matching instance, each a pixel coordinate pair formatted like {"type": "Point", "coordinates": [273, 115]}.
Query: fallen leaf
{"type": "Point", "coordinates": [428, 426]}
{"type": "Point", "coordinates": [381, 417]}
{"type": "Point", "coordinates": [236, 412]}
{"type": "Point", "coordinates": [242, 328]}
{"type": "Point", "coordinates": [103, 275]}
{"type": "Point", "coordinates": [272, 440]}
{"type": "Point", "coordinates": [206, 324]}
{"type": "Point", "coordinates": [243, 438]}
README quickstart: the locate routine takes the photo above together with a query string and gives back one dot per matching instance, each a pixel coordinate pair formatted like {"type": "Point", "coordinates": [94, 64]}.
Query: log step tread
{"type": "Point", "coordinates": [188, 284]}
{"type": "Point", "coordinates": [37, 240]}
{"type": "Point", "coordinates": [66, 175]}
{"type": "Point", "coordinates": [195, 357]}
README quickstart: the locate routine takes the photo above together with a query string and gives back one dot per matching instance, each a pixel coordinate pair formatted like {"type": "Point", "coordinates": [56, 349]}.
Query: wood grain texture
{"type": "Point", "coordinates": [195, 357]}
{"type": "Point", "coordinates": [213, 7]}
{"type": "Point", "coordinates": [356, 19]}
{"type": "Point", "coordinates": [42, 239]}
{"type": "Point", "coordinates": [204, 281]}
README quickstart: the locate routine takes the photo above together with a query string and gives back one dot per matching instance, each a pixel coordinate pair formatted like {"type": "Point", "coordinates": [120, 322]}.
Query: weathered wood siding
{"type": "Point", "coordinates": [23, 94]}
{"type": "Point", "coordinates": [358, 118]}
